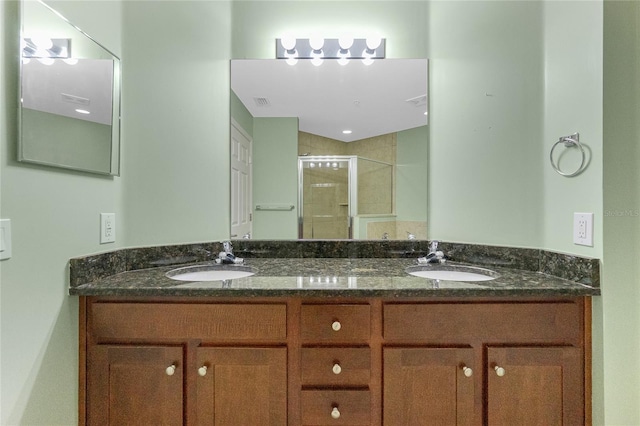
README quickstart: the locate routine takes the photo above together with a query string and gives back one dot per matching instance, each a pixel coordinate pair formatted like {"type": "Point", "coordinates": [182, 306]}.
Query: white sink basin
{"type": "Point", "coordinates": [452, 272]}
{"type": "Point", "coordinates": [210, 273]}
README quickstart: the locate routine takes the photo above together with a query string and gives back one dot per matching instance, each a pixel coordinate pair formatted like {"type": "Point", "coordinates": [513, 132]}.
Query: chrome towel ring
{"type": "Point", "coordinates": [569, 142]}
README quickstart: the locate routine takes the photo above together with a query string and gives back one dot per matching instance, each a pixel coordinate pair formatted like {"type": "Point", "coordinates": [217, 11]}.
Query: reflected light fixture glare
{"type": "Point", "coordinates": [347, 132]}
{"type": "Point", "coordinates": [316, 43]}
{"type": "Point", "coordinates": [82, 111]}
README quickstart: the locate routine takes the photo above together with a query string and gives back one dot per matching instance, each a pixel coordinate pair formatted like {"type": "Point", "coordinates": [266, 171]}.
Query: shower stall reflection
{"type": "Point", "coordinates": [332, 190]}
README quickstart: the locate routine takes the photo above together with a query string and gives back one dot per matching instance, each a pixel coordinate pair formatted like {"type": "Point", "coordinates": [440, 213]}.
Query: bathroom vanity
{"type": "Point", "coordinates": [344, 341]}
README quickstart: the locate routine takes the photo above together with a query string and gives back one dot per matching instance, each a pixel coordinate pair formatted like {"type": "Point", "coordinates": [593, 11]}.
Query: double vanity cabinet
{"type": "Point", "coordinates": [296, 360]}
{"type": "Point", "coordinates": [334, 333]}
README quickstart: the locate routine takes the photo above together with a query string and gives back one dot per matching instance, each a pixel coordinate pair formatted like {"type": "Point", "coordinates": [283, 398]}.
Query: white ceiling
{"type": "Point", "coordinates": [369, 100]}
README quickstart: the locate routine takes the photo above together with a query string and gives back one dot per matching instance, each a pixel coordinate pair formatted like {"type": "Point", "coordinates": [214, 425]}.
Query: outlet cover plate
{"type": "Point", "coordinates": [583, 229]}
{"type": "Point", "coordinates": [107, 228]}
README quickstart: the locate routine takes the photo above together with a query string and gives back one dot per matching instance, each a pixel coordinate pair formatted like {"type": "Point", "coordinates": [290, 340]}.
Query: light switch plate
{"type": "Point", "coordinates": [583, 229]}
{"type": "Point", "coordinates": [5, 239]}
{"type": "Point", "coordinates": [107, 228]}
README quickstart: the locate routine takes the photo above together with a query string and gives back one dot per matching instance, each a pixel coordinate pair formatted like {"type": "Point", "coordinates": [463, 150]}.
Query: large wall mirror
{"type": "Point", "coordinates": [331, 151]}
{"type": "Point", "coordinates": [69, 95]}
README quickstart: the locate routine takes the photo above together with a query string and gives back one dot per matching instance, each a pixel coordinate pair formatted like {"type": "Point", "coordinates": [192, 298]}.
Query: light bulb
{"type": "Point", "coordinates": [373, 42]}
{"type": "Point", "coordinates": [316, 42]}
{"type": "Point", "coordinates": [288, 42]}
{"type": "Point", "coordinates": [345, 42]}
{"type": "Point", "coordinates": [42, 42]}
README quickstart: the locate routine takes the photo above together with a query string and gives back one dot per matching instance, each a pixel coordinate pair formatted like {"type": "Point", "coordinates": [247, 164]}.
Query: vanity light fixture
{"type": "Point", "coordinates": [343, 49]}
{"type": "Point", "coordinates": [44, 47]}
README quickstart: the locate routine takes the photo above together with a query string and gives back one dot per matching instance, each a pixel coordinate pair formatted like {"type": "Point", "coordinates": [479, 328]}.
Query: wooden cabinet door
{"type": "Point", "coordinates": [242, 386]}
{"type": "Point", "coordinates": [135, 385]}
{"type": "Point", "coordinates": [428, 386]}
{"type": "Point", "coordinates": [535, 386]}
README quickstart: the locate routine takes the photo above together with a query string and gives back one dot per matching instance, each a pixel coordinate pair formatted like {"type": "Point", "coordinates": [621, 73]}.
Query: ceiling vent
{"type": "Point", "coordinates": [262, 102]}
{"type": "Point", "coordinates": [418, 100]}
{"type": "Point", "coordinates": [75, 99]}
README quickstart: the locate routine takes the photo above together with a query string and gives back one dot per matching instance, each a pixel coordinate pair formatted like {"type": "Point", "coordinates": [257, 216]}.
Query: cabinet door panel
{"type": "Point", "coordinates": [537, 386]}
{"type": "Point", "coordinates": [242, 386]}
{"type": "Point", "coordinates": [428, 386]}
{"type": "Point", "coordinates": [130, 385]}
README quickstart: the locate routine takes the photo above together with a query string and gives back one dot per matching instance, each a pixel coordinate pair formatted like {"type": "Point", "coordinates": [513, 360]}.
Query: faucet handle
{"type": "Point", "coordinates": [226, 245]}
{"type": "Point", "coordinates": [433, 246]}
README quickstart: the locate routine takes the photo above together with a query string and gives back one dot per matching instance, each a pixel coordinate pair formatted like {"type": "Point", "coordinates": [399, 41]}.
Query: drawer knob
{"type": "Point", "coordinates": [335, 413]}
{"type": "Point", "coordinates": [468, 372]}
{"type": "Point", "coordinates": [336, 368]}
{"type": "Point", "coordinates": [202, 371]}
{"type": "Point", "coordinates": [499, 371]}
{"type": "Point", "coordinates": [170, 370]}
{"type": "Point", "coordinates": [336, 326]}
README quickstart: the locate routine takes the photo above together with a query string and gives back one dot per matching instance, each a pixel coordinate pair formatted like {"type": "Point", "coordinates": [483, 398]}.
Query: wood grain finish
{"type": "Point", "coordinates": [269, 361]}
{"type": "Point", "coordinates": [540, 386]}
{"type": "Point", "coordinates": [354, 407]}
{"type": "Point", "coordinates": [129, 384]}
{"type": "Point", "coordinates": [242, 386]}
{"type": "Point", "coordinates": [213, 322]}
{"type": "Point", "coordinates": [318, 364]}
{"type": "Point", "coordinates": [427, 386]}
{"type": "Point", "coordinates": [446, 323]}
{"type": "Point", "coordinates": [316, 324]}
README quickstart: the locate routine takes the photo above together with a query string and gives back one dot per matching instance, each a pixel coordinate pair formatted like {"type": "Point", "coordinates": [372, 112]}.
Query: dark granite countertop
{"type": "Point", "coordinates": [331, 277]}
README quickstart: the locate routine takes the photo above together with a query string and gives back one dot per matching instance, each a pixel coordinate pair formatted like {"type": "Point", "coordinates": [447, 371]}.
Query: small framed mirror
{"type": "Point", "coordinates": [69, 95]}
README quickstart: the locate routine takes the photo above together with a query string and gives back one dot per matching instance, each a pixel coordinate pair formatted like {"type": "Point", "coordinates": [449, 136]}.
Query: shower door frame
{"type": "Point", "coordinates": [352, 189]}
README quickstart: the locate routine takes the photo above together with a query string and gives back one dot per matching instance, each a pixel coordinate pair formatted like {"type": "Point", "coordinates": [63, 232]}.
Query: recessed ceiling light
{"type": "Point", "coordinates": [347, 132]}
{"type": "Point", "coordinates": [83, 111]}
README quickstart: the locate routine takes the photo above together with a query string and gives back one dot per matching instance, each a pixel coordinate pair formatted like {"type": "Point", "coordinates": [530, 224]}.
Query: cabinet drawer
{"type": "Point", "coordinates": [336, 407]}
{"type": "Point", "coordinates": [335, 366]}
{"type": "Point", "coordinates": [335, 324]}
{"type": "Point", "coordinates": [553, 322]}
{"type": "Point", "coordinates": [158, 321]}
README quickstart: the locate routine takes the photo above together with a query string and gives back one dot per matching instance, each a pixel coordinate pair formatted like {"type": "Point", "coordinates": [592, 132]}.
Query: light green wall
{"type": "Point", "coordinates": [572, 103]}
{"type": "Point", "coordinates": [241, 114]}
{"type": "Point", "coordinates": [55, 216]}
{"type": "Point", "coordinates": [412, 173]}
{"type": "Point", "coordinates": [176, 121]}
{"type": "Point", "coordinates": [275, 177]}
{"type": "Point", "coordinates": [618, 308]}
{"type": "Point", "coordinates": [506, 80]}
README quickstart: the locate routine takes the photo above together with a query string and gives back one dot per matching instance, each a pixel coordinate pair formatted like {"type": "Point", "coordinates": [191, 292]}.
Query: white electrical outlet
{"type": "Point", "coordinates": [583, 229]}
{"type": "Point", "coordinates": [107, 228]}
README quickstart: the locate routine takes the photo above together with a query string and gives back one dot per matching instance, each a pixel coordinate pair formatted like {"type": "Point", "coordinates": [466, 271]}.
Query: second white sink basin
{"type": "Point", "coordinates": [210, 273]}
{"type": "Point", "coordinates": [446, 272]}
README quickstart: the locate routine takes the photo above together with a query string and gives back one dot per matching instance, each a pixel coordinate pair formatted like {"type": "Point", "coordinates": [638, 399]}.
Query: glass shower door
{"type": "Point", "coordinates": [325, 197]}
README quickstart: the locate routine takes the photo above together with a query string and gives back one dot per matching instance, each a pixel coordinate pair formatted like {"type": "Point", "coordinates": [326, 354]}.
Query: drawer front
{"type": "Point", "coordinates": [444, 323]}
{"type": "Point", "coordinates": [335, 366]}
{"type": "Point", "coordinates": [165, 321]}
{"type": "Point", "coordinates": [348, 324]}
{"type": "Point", "coordinates": [336, 407]}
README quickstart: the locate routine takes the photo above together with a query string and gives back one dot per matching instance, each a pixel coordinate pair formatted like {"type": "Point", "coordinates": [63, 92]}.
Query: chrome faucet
{"type": "Point", "coordinates": [227, 247]}
{"type": "Point", "coordinates": [227, 256]}
{"type": "Point", "coordinates": [435, 255]}
{"type": "Point", "coordinates": [410, 236]}
{"type": "Point", "coordinates": [385, 236]}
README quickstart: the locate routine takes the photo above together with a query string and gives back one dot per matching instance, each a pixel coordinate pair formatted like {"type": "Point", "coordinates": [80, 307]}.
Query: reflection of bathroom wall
{"type": "Point", "coordinates": [375, 187]}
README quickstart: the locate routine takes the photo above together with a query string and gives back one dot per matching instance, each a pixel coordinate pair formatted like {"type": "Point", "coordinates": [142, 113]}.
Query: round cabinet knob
{"type": "Point", "coordinates": [335, 413]}
{"type": "Point", "coordinates": [336, 368]}
{"type": "Point", "coordinates": [468, 372]}
{"type": "Point", "coordinates": [202, 371]}
{"type": "Point", "coordinates": [170, 370]}
{"type": "Point", "coordinates": [336, 326]}
{"type": "Point", "coordinates": [499, 371]}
